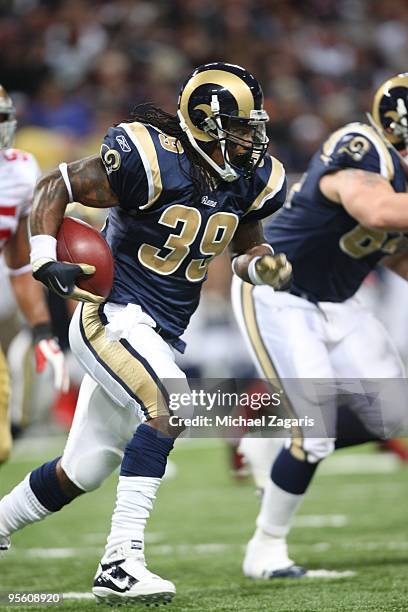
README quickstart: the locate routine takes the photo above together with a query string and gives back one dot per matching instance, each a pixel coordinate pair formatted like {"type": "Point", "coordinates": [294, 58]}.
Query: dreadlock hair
{"type": "Point", "coordinates": [200, 173]}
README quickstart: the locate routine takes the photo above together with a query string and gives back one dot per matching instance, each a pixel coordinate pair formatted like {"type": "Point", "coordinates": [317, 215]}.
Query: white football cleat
{"type": "Point", "coordinates": [267, 557]}
{"type": "Point", "coordinates": [126, 580]}
{"type": "Point", "coordinates": [5, 544]}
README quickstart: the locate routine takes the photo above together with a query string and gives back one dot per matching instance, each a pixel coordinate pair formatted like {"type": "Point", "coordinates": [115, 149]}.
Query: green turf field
{"type": "Point", "coordinates": [350, 523]}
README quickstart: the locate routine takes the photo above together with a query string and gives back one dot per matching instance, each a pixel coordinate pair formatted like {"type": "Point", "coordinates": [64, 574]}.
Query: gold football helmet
{"type": "Point", "coordinates": [222, 104]}
{"type": "Point", "coordinates": [390, 110]}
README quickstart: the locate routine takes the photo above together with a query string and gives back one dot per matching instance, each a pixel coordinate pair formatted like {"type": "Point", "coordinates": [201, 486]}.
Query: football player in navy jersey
{"type": "Point", "coordinates": [349, 211]}
{"type": "Point", "coordinates": [180, 189]}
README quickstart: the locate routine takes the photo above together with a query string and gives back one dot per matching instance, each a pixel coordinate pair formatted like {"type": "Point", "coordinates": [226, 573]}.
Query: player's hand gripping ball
{"type": "Point", "coordinates": [84, 270]}
{"type": "Point", "coordinates": [90, 277]}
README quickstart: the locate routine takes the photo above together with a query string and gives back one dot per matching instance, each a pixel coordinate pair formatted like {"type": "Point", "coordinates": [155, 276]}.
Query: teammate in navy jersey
{"type": "Point", "coordinates": [180, 190]}
{"type": "Point", "coordinates": [348, 213]}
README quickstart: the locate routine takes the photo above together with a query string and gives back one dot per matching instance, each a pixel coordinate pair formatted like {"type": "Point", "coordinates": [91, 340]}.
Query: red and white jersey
{"type": "Point", "coordinates": [19, 173]}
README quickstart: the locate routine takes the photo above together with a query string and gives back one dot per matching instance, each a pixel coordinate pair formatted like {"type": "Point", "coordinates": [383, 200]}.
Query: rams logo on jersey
{"type": "Point", "coordinates": [110, 158]}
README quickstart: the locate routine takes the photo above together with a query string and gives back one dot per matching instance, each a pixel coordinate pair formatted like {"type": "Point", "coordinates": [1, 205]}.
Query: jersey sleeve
{"type": "Point", "coordinates": [268, 192]}
{"type": "Point", "coordinates": [127, 166]}
{"type": "Point", "coordinates": [28, 174]}
{"type": "Point", "coordinates": [357, 146]}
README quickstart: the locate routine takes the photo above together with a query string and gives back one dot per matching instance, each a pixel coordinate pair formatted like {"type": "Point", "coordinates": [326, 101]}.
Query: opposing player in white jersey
{"type": "Point", "coordinates": [18, 174]}
{"type": "Point", "coordinates": [349, 212]}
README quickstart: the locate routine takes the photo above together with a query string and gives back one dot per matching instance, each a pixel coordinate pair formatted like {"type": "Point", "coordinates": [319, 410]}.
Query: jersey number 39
{"type": "Point", "coordinates": [217, 234]}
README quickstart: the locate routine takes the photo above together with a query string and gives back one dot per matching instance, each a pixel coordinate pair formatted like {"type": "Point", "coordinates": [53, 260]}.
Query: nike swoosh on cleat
{"type": "Point", "coordinates": [118, 585]}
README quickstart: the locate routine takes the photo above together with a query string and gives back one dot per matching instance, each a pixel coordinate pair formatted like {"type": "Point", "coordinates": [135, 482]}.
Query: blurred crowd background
{"type": "Point", "coordinates": [74, 66]}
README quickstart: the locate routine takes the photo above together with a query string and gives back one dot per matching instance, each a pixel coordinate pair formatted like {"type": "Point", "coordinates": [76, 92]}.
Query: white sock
{"type": "Point", "coordinates": [277, 510]}
{"type": "Point", "coordinates": [134, 501]}
{"type": "Point", "coordinates": [20, 508]}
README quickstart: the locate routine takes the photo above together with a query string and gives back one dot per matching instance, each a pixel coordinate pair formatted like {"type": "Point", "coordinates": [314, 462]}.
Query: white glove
{"type": "Point", "coordinates": [273, 270]}
{"type": "Point", "coordinates": [47, 350]}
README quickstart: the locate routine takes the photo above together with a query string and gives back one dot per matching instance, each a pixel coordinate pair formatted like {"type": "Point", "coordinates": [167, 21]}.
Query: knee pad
{"type": "Point", "coordinates": [90, 469]}
{"type": "Point", "coordinates": [317, 449]}
{"type": "Point", "coordinates": [98, 436]}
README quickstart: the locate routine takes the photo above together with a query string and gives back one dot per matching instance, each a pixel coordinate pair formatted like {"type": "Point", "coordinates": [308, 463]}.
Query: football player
{"type": "Point", "coordinates": [180, 189]}
{"type": "Point", "coordinates": [18, 174]}
{"type": "Point", "coordinates": [348, 212]}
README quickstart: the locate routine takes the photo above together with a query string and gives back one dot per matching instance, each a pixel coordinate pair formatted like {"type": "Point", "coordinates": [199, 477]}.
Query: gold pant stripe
{"type": "Point", "coordinates": [123, 365]}
{"type": "Point", "coordinates": [266, 363]}
{"type": "Point", "coordinates": [5, 433]}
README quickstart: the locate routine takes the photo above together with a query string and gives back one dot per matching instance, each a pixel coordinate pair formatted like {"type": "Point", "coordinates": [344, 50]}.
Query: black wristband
{"type": "Point", "coordinates": [41, 331]}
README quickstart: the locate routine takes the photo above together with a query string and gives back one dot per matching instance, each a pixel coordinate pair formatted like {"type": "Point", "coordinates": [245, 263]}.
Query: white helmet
{"type": "Point", "coordinates": [8, 121]}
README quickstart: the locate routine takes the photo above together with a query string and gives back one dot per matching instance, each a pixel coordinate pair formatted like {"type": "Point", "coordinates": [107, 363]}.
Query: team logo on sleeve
{"type": "Point", "coordinates": [111, 159]}
{"type": "Point", "coordinates": [123, 143]}
{"type": "Point", "coordinates": [357, 147]}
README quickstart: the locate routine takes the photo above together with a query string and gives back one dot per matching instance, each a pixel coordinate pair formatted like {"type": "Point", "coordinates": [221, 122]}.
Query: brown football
{"type": "Point", "coordinates": [78, 242]}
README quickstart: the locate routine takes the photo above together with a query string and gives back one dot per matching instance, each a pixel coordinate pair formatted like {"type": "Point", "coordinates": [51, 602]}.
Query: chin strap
{"type": "Point", "coordinates": [227, 173]}
{"type": "Point", "coordinates": [215, 108]}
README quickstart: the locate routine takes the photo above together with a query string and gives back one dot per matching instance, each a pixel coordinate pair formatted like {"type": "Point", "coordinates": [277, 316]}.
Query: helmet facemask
{"type": "Point", "coordinates": [8, 121]}
{"type": "Point", "coordinates": [390, 113]}
{"type": "Point", "coordinates": [243, 141]}
{"type": "Point", "coordinates": [7, 130]}
{"type": "Point", "coordinates": [399, 126]}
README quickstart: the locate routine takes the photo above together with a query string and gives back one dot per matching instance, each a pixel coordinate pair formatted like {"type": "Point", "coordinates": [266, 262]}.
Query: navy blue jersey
{"type": "Point", "coordinates": [331, 253]}
{"type": "Point", "coordinates": [162, 241]}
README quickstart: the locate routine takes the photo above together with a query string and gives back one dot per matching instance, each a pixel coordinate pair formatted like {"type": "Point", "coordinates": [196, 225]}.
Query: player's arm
{"type": "Point", "coordinates": [29, 293]}
{"type": "Point", "coordinates": [254, 260]}
{"type": "Point", "coordinates": [368, 197]}
{"type": "Point", "coordinates": [86, 182]}
{"type": "Point", "coordinates": [31, 300]}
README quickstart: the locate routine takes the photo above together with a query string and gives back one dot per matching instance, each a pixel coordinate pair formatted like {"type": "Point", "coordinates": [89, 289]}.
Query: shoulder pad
{"type": "Point", "coordinates": [129, 155]}
{"type": "Point", "coordinates": [268, 191]}
{"type": "Point", "coordinates": [357, 145]}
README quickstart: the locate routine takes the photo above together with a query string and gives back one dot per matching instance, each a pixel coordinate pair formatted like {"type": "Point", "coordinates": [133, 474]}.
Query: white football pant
{"type": "Point", "coordinates": [323, 356]}
{"type": "Point", "coordinates": [130, 370]}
